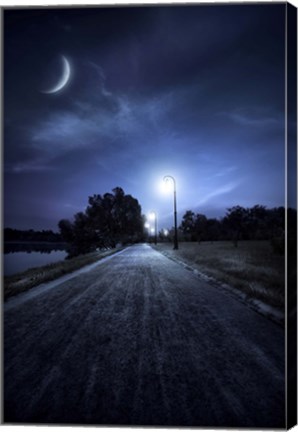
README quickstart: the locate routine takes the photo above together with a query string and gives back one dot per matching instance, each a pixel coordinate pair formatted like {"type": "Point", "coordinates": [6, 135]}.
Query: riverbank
{"type": "Point", "coordinates": [21, 282]}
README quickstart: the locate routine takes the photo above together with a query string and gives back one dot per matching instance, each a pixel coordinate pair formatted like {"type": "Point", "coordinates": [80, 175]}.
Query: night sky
{"type": "Point", "coordinates": [196, 92]}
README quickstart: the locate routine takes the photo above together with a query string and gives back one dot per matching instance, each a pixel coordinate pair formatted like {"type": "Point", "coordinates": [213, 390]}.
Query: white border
{"type": "Point", "coordinates": [9, 3]}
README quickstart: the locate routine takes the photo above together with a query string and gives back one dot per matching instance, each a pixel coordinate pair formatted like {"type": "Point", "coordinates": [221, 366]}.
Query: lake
{"type": "Point", "coordinates": [21, 257]}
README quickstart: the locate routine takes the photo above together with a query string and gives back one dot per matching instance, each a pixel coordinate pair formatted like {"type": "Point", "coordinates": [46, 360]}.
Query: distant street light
{"type": "Point", "coordinates": [147, 226]}
{"type": "Point", "coordinates": [166, 179]}
{"type": "Point", "coordinates": [153, 216]}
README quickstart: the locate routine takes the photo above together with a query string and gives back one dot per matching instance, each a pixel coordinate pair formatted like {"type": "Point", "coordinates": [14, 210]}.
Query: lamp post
{"type": "Point", "coordinates": [166, 179]}
{"type": "Point", "coordinates": [154, 216]}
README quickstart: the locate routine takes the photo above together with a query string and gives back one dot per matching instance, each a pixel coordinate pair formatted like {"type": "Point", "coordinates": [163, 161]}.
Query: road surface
{"type": "Point", "coordinates": [140, 340]}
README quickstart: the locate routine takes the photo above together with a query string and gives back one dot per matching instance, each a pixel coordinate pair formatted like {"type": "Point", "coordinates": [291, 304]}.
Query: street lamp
{"type": "Point", "coordinates": [153, 216]}
{"type": "Point", "coordinates": [166, 179]}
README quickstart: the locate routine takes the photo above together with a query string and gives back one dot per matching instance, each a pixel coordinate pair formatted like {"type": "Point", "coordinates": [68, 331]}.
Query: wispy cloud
{"type": "Point", "coordinates": [225, 171]}
{"type": "Point", "coordinates": [29, 166]}
{"type": "Point", "coordinates": [217, 191]}
{"type": "Point", "coordinates": [60, 126]}
{"type": "Point", "coordinates": [90, 120]}
{"type": "Point", "coordinates": [102, 78]}
{"type": "Point", "coordinates": [254, 117]}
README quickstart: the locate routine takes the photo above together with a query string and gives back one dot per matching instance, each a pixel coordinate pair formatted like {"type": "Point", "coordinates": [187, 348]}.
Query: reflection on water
{"type": "Point", "coordinates": [33, 247]}
{"type": "Point", "coordinates": [19, 257]}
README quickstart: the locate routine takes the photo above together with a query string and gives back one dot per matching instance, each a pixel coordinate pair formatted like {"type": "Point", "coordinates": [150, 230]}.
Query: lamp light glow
{"type": "Point", "coordinates": [167, 179]}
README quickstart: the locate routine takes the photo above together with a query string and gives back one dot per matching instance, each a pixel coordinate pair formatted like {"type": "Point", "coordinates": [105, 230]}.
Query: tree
{"type": "Point", "coordinates": [188, 225]}
{"type": "Point", "coordinates": [66, 230]}
{"type": "Point", "coordinates": [85, 238]}
{"type": "Point", "coordinates": [258, 222]}
{"type": "Point", "coordinates": [116, 216]}
{"type": "Point", "coordinates": [108, 220]}
{"type": "Point", "coordinates": [99, 213]}
{"type": "Point", "coordinates": [201, 227]}
{"type": "Point", "coordinates": [236, 220]}
{"type": "Point", "coordinates": [15, 235]}
{"type": "Point", "coordinates": [213, 229]}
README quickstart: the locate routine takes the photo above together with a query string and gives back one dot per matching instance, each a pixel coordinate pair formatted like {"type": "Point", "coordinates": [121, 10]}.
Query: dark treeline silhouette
{"type": "Point", "coordinates": [31, 236]}
{"type": "Point", "coordinates": [239, 223]}
{"type": "Point", "coordinates": [111, 219]}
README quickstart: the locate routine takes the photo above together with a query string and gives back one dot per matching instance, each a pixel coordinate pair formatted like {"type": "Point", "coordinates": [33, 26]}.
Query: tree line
{"type": "Point", "coordinates": [116, 218]}
{"type": "Point", "coordinates": [44, 236]}
{"type": "Point", "coordinates": [239, 223]}
{"type": "Point", "coordinates": [109, 219]}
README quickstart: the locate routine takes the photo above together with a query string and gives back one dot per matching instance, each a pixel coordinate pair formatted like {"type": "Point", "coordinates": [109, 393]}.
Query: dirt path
{"type": "Point", "coordinates": [140, 340]}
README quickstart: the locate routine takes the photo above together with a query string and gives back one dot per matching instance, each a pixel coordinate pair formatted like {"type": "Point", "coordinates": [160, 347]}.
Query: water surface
{"type": "Point", "coordinates": [16, 262]}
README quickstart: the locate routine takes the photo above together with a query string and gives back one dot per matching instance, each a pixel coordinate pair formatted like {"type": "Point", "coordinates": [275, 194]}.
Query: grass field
{"type": "Point", "coordinates": [252, 267]}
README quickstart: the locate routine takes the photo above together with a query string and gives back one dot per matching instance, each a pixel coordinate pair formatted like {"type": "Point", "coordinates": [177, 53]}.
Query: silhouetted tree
{"type": "Point", "coordinates": [258, 222]}
{"type": "Point", "coordinates": [15, 235]}
{"type": "Point", "coordinates": [201, 227]}
{"type": "Point", "coordinates": [66, 230]}
{"type": "Point", "coordinates": [236, 220]}
{"type": "Point", "coordinates": [188, 225]}
{"type": "Point", "coordinates": [239, 223]}
{"type": "Point", "coordinates": [108, 220]}
{"type": "Point", "coordinates": [213, 229]}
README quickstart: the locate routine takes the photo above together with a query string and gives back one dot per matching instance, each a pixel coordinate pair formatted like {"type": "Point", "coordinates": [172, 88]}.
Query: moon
{"type": "Point", "coordinates": [63, 79]}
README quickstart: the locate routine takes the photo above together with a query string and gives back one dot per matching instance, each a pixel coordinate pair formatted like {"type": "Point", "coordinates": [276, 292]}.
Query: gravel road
{"type": "Point", "coordinates": [140, 340]}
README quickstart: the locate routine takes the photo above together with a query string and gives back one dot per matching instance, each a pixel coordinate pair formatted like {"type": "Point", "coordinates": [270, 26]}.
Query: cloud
{"type": "Point", "coordinates": [29, 166]}
{"type": "Point", "coordinates": [102, 76]}
{"type": "Point", "coordinates": [113, 125]}
{"type": "Point", "coordinates": [118, 122]}
{"type": "Point", "coordinates": [225, 171]}
{"type": "Point", "coordinates": [59, 126]}
{"type": "Point", "coordinates": [221, 190]}
{"type": "Point", "coordinates": [116, 117]}
{"type": "Point", "coordinates": [258, 117]}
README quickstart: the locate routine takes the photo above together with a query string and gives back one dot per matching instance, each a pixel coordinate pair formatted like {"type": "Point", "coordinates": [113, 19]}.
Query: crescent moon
{"type": "Point", "coordinates": [64, 78]}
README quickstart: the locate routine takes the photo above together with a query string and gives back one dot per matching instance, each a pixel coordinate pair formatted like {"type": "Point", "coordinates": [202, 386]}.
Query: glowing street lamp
{"type": "Point", "coordinates": [166, 179]}
{"type": "Point", "coordinates": [153, 216]}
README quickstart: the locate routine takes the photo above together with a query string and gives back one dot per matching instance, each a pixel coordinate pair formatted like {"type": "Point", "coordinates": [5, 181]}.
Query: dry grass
{"type": "Point", "coordinates": [252, 267]}
{"type": "Point", "coordinates": [24, 281]}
